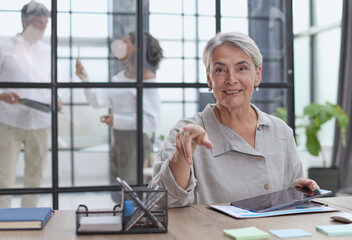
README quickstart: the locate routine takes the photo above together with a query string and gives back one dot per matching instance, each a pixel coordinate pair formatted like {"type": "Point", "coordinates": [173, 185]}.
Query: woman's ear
{"type": "Point", "coordinates": [210, 85]}
{"type": "Point", "coordinates": [258, 77]}
{"type": "Point", "coordinates": [25, 23]}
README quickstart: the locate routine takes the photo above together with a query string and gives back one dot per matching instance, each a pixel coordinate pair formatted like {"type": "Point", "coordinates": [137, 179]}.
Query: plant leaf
{"type": "Point", "coordinates": [312, 144]}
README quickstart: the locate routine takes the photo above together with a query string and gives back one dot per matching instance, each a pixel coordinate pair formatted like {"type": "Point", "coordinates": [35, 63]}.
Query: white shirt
{"type": "Point", "coordinates": [123, 103]}
{"type": "Point", "coordinates": [22, 62]}
{"type": "Point", "coordinates": [232, 170]}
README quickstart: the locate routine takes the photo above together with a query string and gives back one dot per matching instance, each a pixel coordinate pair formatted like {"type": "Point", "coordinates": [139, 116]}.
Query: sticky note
{"type": "Point", "coordinates": [290, 233]}
{"type": "Point", "coordinates": [246, 233]}
{"type": "Point", "coordinates": [129, 208]}
{"type": "Point", "coordinates": [336, 230]}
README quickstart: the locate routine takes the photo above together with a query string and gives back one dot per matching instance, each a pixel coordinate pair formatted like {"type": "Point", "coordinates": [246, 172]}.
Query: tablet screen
{"type": "Point", "coordinates": [279, 199]}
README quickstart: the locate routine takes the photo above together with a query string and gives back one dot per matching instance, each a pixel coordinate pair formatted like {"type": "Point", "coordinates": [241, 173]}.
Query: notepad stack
{"type": "Point", "coordinates": [246, 233]}
{"type": "Point", "coordinates": [101, 224]}
{"type": "Point", "coordinates": [336, 230]}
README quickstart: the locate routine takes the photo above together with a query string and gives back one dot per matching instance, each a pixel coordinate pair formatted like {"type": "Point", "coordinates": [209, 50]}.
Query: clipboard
{"type": "Point", "coordinates": [36, 105]}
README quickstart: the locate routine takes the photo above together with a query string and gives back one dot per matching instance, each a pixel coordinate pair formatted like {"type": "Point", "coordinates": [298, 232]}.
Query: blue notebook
{"type": "Point", "coordinates": [24, 218]}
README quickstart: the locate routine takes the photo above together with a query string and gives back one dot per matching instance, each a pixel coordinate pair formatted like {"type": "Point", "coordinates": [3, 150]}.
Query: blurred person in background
{"type": "Point", "coordinates": [25, 58]}
{"type": "Point", "coordinates": [122, 101]}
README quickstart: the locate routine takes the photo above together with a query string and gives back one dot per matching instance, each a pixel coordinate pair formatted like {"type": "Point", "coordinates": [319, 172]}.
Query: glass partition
{"type": "Point", "coordinates": [124, 73]}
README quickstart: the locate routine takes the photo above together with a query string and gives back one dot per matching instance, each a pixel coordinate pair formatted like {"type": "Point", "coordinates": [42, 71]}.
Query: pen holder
{"type": "Point", "coordinates": [150, 210]}
{"type": "Point", "coordinates": [146, 210]}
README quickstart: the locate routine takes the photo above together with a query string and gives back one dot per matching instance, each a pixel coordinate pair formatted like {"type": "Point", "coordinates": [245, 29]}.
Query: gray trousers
{"type": "Point", "coordinates": [123, 160]}
{"type": "Point", "coordinates": [36, 144]}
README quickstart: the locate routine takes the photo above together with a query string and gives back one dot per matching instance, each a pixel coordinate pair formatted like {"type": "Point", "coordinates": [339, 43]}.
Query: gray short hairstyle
{"type": "Point", "coordinates": [35, 9]}
{"type": "Point", "coordinates": [244, 42]}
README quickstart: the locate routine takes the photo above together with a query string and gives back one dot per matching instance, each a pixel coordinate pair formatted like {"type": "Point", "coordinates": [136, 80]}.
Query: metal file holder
{"type": "Point", "coordinates": [155, 202]}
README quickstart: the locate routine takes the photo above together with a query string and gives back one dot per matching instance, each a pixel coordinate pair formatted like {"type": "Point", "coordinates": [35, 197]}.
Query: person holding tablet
{"type": "Point", "coordinates": [232, 150]}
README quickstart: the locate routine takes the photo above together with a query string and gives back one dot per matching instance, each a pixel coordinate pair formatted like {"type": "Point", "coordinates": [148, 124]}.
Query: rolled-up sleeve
{"type": "Point", "coordinates": [163, 177]}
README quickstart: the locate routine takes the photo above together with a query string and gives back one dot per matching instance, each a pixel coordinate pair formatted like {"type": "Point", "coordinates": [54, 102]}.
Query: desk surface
{"type": "Point", "coordinates": [195, 222]}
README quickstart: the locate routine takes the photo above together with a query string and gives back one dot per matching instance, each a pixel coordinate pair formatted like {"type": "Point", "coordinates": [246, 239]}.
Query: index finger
{"type": "Point", "coordinates": [199, 135]}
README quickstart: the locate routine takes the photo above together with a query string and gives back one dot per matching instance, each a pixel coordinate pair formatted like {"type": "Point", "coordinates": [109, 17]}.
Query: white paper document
{"type": "Point", "coordinates": [242, 213]}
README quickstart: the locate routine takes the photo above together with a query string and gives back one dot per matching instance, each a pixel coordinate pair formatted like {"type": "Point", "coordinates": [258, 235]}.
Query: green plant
{"type": "Point", "coordinates": [316, 115]}
{"type": "Point", "coordinates": [319, 114]}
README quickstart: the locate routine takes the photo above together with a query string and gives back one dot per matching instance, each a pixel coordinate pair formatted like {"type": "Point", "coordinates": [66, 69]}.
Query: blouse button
{"type": "Point", "coordinates": [259, 158]}
{"type": "Point", "coordinates": [266, 186]}
{"type": "Point", "coordinates": [259, 128]}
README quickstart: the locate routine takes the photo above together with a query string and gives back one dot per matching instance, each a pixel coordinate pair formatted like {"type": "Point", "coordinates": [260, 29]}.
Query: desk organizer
{"type": "Point", "coordinates": [148, 214]}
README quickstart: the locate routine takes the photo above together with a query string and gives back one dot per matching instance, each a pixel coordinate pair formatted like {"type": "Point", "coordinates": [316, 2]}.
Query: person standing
{"type": "Point", "coordinates": [25, 58]}
{"type": "Point", "coordinates": [122, 101]}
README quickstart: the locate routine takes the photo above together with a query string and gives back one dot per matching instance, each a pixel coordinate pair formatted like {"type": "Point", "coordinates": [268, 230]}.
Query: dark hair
{"type": "Point", "coordinates": [34, 8]}
{"type": "Point", "coordinates": [151, 48]}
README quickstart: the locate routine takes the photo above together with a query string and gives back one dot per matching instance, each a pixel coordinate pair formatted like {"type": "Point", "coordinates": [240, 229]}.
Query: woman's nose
{"type": "Point", "coordinates": [231, 77]}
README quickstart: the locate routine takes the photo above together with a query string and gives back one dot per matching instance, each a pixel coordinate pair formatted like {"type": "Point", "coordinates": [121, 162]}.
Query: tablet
{"type": "Point", "coordinates": [279, 199]}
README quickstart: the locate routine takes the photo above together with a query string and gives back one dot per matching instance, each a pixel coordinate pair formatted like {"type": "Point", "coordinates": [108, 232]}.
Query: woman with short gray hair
{"type": "Point", "coordinates": [231, 150]}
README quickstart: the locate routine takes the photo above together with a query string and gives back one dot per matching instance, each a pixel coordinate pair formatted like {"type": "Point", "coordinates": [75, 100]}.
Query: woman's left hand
{"type": "Point", "coordinates": [306, 185]}
{"type": "Point", "coordinates": [108, 119]}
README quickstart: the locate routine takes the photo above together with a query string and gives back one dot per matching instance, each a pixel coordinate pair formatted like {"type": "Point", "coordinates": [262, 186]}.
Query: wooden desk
{"type": "Point", "coordinates": [195, 222]}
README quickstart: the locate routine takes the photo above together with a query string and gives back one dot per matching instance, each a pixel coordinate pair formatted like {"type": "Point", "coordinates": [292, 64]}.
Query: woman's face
{"type": "Point", "coordinates": [35, 27]}
{"type": "Point", "coordinates": [232, 76]}
{"type": "Point", "coordinates": [131, 48]}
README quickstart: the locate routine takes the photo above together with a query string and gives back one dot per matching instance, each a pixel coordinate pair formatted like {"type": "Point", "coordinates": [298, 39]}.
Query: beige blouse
{"type": "Point", "coordinates": [232, 169]}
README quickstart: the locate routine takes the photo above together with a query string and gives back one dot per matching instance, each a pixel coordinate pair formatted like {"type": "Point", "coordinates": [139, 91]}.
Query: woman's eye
{"type": "Point", "coordinates": [243, 68]}
{"type": "Point", "coordinates": [219, 70]}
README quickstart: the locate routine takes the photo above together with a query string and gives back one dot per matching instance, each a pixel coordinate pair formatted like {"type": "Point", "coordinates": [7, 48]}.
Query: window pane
{"type": "Point", "coordinates": [63, 26]}
{"type": "Point", "coordinates": [206, 27]}
{"type": "Point", "coordinates": [97, 25]}
{"type": "Point", "coordinates": [89, 6]}
{"type": "Point", "coordinates": [13, 23]}
{"type": "Point", "coordinates": [300, 12]}
{"type": "Point", "coordinates": [206, 7]}
{"type": "Point", "coordinates": [151, 122]}
{"type": "Point", "coordinates": [171, 30]}
{"type": "Point", "coordinates": [172, 49]}
{"type": "Point", "coordinates": [268, 99]}
{"type": "Point", "coordinates": [190, 70]}
{"type": "Point", "coordinates": [190, 27]}
{"type": "Point", "coordinates": [170, 70]}
{"type": "Point", "coordinates": [189, 6]}
{"type": "Point", "coordinates": [327, 65]}
{"type": "Point", "coordinates": [43, 200]}
{"type": "Point", "coordinates": [326, 13]}
{"type": "Point", "coordinates": [234, 24]}
{"type": "Point", "coordinates": [162, 6]}
{"type": "Point", "coordinates": [238, 8]}
{"type": "Point", "coordinates": [91, 166]}
{"type": "Point", "coordinates": [93, 200]}
{"type": "Point", "coordinates": [302, 76]}
{"type": "Point", "coordinates": [190, 49]}
{"type": "Point", "coordinates": [327, 74]}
